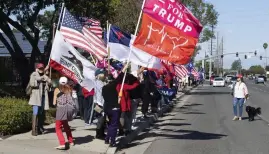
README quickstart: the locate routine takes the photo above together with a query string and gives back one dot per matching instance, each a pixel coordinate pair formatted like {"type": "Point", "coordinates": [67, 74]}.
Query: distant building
{"type": "Point", "coordinates": [7, 69]}
{"type": "Point", "coordinates": [24, 44]}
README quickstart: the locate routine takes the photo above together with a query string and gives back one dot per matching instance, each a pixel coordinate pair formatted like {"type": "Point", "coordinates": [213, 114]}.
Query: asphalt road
{"type": "Point", "coordinates": [204, 126]}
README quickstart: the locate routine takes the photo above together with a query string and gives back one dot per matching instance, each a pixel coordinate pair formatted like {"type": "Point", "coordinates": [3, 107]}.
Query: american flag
{"type": "Point", "coordinates": [103, 64]}
{"type": "Point", "coordinates": [80, 36]}
{"type": "Point", "coordinates": [93, 25]}
{"type": "Point", "coordinates": [195, 73]}
{"type": "Point", "coordinates": [180, 71]}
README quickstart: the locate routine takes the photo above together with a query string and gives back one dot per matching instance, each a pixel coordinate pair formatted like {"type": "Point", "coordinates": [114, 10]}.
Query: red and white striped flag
{"type": "Point", "coordinates": [180, 71]}
{"type": "Point", "coordinates": [195, 73]}
{"type": "Point", "coordinates": [80, 36]}
{"type": "Point", "coordinates": [94, 26]}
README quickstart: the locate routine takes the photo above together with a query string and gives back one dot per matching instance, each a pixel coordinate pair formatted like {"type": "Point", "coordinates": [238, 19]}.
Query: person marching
{"type": "Point", "coordinates": [64, 112]}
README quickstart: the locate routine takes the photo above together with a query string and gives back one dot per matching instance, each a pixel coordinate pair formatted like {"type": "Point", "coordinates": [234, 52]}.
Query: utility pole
{"type": "Point", "coordinates": [211, 50]}
{"type": "Point", "coordinates": [203, 65]}
{"type": "Point", "coordinates": [218, 59]}
{"type": "Point", "coordinates": [222, 54]}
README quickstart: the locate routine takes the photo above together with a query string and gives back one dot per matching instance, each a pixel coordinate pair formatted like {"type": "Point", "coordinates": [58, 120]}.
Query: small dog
{"type": "Point", "coordinates": [252, 112]}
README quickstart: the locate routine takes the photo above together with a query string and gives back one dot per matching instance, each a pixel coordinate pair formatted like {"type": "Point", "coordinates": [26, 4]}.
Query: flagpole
{"type": "Point", "coordinates": [108, 48]}
{"type": "Point", "coordinates": [59, 20]}
{"type": "Point", "coordinates": [94, 61]}
{"type": "Point", "coordinates": [136, 30]}
{"type": "Point", "coordinates": [53, 36]}
{"type": "Point", "coordinates": [58, 24]}
{"type": "Point", "coordinates": [139, 18]}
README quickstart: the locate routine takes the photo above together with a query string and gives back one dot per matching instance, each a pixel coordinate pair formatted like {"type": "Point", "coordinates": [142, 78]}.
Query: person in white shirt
{"type": "Point", "coordinates": [240, 93]}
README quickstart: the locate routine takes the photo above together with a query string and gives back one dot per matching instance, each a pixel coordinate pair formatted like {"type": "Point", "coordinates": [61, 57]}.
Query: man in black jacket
{"type": "Point", "coordinates": [112, 110]}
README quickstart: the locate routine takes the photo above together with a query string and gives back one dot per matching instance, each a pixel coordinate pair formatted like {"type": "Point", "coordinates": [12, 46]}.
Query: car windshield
{"type": "Point", "coordinates": [229, 76]}
{"type": "Point", "coordinates": [260, 76]}
{"type": "Point", "coordinates": [218, 79]}
{"type": "Point", "coordinates": [234, 79]}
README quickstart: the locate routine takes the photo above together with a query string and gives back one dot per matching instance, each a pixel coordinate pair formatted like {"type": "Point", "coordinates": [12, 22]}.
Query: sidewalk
{"type": "Point", "coordinates": [85, 141]}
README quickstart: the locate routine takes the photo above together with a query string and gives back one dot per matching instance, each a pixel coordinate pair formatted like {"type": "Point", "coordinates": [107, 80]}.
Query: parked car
{"type": "Point", "coordinates": [260, 79]}
{"type": "Point", "coordinates": [218, 82]}
{"type": "Point", "coordinates": [212, 79]}
{"type": "Point", "coordinates": [233, 80]}
{"type": "Point", "coordinates": [228, 78]}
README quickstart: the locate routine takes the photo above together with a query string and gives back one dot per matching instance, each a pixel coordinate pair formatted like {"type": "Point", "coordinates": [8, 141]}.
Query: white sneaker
{"type": "Point", "coordinates": [240, 118]}
{"type": "Point", "coordinates": [235, 118]}
{"type": "Point", "coordinates": [134, 128]}
{"type": "Point", "coordinates": [60, 147]}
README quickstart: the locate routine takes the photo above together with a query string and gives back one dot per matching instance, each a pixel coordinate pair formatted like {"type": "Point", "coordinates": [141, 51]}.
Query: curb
{"type": "Point", "coordinates": [143, 125]}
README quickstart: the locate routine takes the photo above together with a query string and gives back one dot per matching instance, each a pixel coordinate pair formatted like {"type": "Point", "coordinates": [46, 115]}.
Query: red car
{"type": "Point", "coordinates": [212, 79]}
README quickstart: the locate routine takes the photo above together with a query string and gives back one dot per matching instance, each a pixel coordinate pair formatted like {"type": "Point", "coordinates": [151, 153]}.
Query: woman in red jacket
{"type": "Point", "coordinates": [125, 101]}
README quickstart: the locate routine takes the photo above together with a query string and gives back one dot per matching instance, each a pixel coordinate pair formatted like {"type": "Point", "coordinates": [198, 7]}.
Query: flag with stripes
{"type": "Point", "coordinates": [78, 34]}
{"type": "Point", "coordinates": [93, 25]}
{"type": "Point", "coordinates": [181, 71]}
{"type": "Point", "coordinates": [195, 73]}
{"type": "Point", "coordinates": [103, 64]}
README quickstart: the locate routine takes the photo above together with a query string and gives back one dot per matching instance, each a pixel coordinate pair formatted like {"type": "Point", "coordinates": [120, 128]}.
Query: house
{"type": "Point", "coordinates": [24, 44]}
{"type": "Point", "coordinates": [7, 69]}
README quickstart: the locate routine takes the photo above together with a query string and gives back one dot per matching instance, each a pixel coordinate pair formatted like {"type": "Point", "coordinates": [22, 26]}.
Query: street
{"type": "Point", "coordinates": [203, 124]}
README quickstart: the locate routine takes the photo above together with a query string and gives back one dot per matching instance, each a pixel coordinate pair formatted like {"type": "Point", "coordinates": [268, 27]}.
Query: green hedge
{"type": "Point", "coordinates": [16, 116]}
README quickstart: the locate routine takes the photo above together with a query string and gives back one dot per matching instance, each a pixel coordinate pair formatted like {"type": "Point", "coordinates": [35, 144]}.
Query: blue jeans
{"type": "Point", "coordinates": [238, 102]}
{"type": "Point", "coordinates": [40, 112]}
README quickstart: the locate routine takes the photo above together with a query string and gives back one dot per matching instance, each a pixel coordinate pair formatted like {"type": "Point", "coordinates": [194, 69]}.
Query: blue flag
{"type": "Point", "coordinates": [118, 36]}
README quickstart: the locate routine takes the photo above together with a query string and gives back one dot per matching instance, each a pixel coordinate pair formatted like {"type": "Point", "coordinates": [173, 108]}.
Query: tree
{"type": "Point", "coordinates": [256, 69]}
{"type": "Point", "coordinates": [26, 15]}
{"type": "Point", "coordinates": [265, 45]}
{"type": "Point", "coordinates": [236, 65]}
{"type": "Point", "coordinates": [267, 68]}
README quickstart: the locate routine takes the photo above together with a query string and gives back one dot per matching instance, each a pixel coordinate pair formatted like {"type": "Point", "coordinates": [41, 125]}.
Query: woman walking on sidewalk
{"type": "Point", "coordinates": [240, 93]}
{"type": "Point", "coordinates": [64, 113]}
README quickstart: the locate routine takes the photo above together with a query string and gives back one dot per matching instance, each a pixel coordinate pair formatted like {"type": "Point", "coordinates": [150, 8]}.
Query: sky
{"type": "Point", "coordinates": [244, 26]}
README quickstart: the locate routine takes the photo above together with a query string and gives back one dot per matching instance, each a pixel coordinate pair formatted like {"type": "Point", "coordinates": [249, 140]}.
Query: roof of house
{"type": "Point", "coordinates": [24, 44]}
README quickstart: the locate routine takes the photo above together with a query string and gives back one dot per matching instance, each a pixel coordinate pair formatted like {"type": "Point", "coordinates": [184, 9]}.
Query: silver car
{"type": "Point", "coordinates": [259, 79]}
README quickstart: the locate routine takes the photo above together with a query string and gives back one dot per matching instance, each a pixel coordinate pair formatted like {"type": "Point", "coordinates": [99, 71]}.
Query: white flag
{"type": "Point", "coordinates": [121, 45]}
{"type": "Point", "coordinates": [69, 62]}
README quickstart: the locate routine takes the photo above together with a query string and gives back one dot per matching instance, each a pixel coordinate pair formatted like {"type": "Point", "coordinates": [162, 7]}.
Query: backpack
{"type": "Point", "coordinates": [28, 90]}
{"type": "Point", "coordinates": [69, 105]}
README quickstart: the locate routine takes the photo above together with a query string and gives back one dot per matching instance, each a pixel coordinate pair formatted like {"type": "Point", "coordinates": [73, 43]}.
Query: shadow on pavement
{"type": "Point", "coordinates": [191, 135]}
{"type": "Point", "coordinates": [209, 93]}
{"type": "Point", "coordinates": [170, 124]}
{"type": "Point", "coordinates": [169, 119]}
{"type": "Point", "coordinates": [83, 140]}
{"type": "Point", "coordinates": [193, 113]}
{"type": "Point", "coordinates": [193, 104]}
{"type": "Point", "coordinates": [178, 135]}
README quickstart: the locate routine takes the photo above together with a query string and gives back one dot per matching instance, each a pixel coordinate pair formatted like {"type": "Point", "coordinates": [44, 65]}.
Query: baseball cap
{"type": "Point", "coordinates": [63, 80]}
{"type": "Point", "coordinates": [99, 71]}
{"type": "Point", "coordinates": [239, 76]}
{"type": "Point", "coordinates": [39, 65]}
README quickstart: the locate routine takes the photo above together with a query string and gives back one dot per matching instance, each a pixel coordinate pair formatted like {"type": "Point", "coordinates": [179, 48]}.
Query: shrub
{"type": "Point", "coordinates": [16, 116]}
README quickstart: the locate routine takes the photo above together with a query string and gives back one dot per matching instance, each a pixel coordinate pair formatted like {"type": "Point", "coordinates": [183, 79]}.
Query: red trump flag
{"type": "Point", "coordinates": [169, 31]}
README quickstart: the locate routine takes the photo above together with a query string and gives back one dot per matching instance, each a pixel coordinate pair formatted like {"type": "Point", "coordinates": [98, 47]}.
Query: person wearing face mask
{"type": "Point", "coordinates": [240, 93]}
{"type": "Point", "coordinates": [39, 83]}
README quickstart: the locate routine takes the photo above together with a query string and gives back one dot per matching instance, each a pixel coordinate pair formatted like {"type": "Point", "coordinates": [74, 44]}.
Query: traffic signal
{"type": "Point", "coordinates": [236, 54]}
{"type": "Point", "coordinates": [246, 57]}
{"type": "Point", "coordinates": [221, 56]}
{"type": "Point", "coordinates": [260, 57]}
{"type": "Point", "coordinates": [255, 53]}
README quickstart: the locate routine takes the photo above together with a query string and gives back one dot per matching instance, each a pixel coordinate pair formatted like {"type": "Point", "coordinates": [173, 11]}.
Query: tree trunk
{"type": "Point", "coordinates": [18, 57]}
